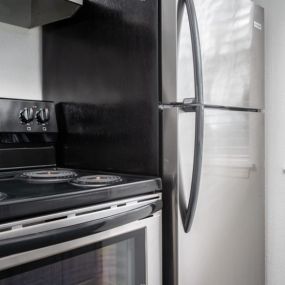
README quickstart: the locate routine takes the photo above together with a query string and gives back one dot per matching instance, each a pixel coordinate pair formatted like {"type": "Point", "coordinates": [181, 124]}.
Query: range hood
{"type": "Point", "coordinates": [32, 13]}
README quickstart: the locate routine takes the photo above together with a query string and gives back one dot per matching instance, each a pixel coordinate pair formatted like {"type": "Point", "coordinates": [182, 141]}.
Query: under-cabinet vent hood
{"type": "Point", "coordinates": [32, 13]}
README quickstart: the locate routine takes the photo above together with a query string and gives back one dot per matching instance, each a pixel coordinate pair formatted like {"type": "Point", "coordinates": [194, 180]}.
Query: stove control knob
{"type": "Point", "coordinates": [43, 116]}
{"type": "Point", "coordinates": [27, 115]}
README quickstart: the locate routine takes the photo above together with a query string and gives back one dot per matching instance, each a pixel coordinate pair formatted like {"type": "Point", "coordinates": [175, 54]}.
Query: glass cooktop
{"type": "Point", "coordinates": [29, 193]}
{"type": "Point", "coordinates": [37, 183]}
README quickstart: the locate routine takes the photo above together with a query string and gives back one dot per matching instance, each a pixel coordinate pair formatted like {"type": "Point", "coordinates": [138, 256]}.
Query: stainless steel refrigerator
{"type": "Point", "coordinates": [213, 142]}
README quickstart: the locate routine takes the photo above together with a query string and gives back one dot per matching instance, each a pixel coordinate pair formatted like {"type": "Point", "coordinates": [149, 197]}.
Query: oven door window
{"type": "Point", "coordinates": [116, 261]}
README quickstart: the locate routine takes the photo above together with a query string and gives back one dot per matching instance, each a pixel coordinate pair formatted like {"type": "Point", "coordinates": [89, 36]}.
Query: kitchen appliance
{"type": "Point", "coordinates": [176, 89]}
{"type": "Point", "coordinates": [213, 127]}
{"type": "Point", "coordinates": [92, 227]}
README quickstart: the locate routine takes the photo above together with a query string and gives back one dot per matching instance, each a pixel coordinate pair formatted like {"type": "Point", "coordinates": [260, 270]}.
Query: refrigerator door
{"type": "Point", "coordinates": [226, 242]}
{"type": "Point", "coordinates": [231, 35]}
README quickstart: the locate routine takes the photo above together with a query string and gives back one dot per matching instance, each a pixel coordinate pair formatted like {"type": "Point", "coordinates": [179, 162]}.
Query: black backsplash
{"type": "Point", "coordinates": [101, 68]}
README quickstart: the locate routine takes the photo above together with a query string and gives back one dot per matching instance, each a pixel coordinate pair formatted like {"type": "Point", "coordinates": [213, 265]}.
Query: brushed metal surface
{"type": "Point", "coordinates": [170, 196]}
{"type": "Point", "coordinates": [232, 43]}
{"type": "Point", "coordinates": [169, 51]}
{"type": "Point", "coordinates": [226, 242]}
{"type": "Point", "coordinates": [169, 141]}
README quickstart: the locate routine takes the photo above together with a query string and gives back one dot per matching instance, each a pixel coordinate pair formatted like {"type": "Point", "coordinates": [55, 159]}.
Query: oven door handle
{"type": "Point", "coordinates": [48, 238]}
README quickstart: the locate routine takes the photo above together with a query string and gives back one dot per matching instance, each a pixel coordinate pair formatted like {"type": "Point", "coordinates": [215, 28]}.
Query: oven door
{"type": "Point", "coordinates": [116, 243]}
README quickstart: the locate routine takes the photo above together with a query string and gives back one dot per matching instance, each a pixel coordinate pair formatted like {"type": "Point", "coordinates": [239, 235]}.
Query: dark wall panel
{"type": "Point", "coordinates": [101, 68]}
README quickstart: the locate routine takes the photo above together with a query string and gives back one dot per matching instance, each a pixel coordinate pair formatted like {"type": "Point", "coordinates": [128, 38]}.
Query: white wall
{"type": "Point", "coordinates": [20, 62]}
{"type": "Point", "coordinates": [275, 140]}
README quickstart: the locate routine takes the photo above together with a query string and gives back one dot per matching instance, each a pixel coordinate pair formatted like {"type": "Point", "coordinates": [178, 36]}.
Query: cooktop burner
{"type": "Point", "coordinates": [96, 180]}
{"type": "Point", "coordinates": [30, 192]}
{"type": "Point", "coordinates": [48, 176]}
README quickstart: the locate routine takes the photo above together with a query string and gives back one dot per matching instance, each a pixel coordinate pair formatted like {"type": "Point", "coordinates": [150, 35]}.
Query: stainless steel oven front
{"type": "Point", "coordinates": [115, 243]}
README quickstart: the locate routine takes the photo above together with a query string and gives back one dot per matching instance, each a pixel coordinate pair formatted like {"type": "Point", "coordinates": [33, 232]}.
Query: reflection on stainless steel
{"type": "Point", "coordinates": [228, 134]}
{"type": "Point", "coordinates": [230, 201]}
{"type": "Point", "coordinates": [229, 137]}
{"type": "Point", "coordinates": [232, 53]}
{"type": "Point", "coordinates": [115, 264]}
{"type": "Point", "coordinates": [226, 40]}
{"type": "Point", "coordinates": [112, 264]}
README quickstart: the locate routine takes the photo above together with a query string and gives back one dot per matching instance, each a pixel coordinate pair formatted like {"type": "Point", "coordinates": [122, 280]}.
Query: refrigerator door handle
{"type": "Point", "coordinates": [188, 211]}
{"type": "Point", "coordinates": [196, 50]}
{"type": "Point", "coordinates": [196, 105]}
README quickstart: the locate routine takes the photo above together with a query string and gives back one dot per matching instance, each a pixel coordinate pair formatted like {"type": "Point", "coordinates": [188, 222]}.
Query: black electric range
{"type": "Point", "coordinates": [28, 193]}
{"type": "Point", "coordinates": [30, 183]}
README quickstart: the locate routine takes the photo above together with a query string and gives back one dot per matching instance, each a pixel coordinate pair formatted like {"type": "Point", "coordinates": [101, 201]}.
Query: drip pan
{"type": "Point", "coordinates": [96, 180]}
{"type": "Point", "coordinates": [48, 176]}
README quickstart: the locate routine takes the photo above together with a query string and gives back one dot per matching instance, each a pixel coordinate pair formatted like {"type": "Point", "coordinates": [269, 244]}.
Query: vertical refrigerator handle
{"type": "Point", "coordinates": [188, 211]}
{"type": "Point", "coordinates": [196, 51]}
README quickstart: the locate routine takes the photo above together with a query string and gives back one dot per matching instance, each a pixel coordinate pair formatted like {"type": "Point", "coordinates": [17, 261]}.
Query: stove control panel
{"type": "Point", "coordinates": [21, 116]}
